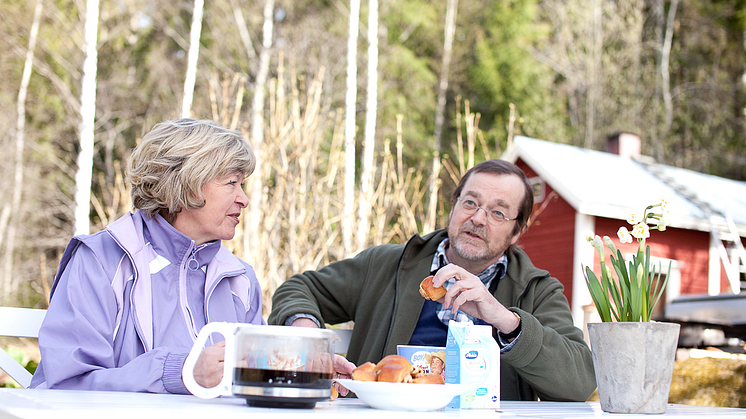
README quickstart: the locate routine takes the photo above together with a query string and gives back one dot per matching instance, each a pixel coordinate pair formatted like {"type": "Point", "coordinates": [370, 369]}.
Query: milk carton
{"type": "Point", "coordinates": [473, 357]}
{"type": "Point", "coordinates": [430, 359]}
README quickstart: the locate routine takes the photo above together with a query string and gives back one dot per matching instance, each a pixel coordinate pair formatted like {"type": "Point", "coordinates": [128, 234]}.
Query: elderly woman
{"type": "Point", "coordinates": [128, 301]}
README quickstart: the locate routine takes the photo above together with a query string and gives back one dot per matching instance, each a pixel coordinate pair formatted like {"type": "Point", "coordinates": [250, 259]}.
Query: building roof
{"type": "Point", "coordinates": [607, 185]}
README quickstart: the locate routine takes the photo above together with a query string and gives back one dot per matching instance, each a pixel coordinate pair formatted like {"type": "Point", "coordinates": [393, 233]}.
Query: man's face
{"type": "Point", "coordinates": [436, 365]}
{"type": "Point", "coordinates": [476, 243]}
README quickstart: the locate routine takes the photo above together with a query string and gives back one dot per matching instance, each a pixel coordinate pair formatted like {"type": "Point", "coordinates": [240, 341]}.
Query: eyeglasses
{"type": "Point", "coordinates": [495, 217]}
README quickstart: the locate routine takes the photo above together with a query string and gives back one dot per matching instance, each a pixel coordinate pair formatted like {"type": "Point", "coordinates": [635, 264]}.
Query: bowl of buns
{"type": "Point", "coordinates": [395, 384]}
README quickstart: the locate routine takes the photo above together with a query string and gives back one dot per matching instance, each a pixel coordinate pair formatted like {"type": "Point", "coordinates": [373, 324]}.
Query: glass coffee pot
{"type": "Point", "coordinates": [269, 366]}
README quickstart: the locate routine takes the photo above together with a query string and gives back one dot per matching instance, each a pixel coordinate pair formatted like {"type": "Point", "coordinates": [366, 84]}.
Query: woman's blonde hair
{"type": "Point", "coordinates": [172, 163]}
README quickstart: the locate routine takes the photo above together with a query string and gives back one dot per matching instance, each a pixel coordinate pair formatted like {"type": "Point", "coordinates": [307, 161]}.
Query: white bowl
{"type": "Point", "coordinates": [405, 396]}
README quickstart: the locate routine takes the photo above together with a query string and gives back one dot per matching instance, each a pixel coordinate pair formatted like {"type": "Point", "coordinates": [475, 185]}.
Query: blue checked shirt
{"type": "Point", "coordinates": [496, 270]}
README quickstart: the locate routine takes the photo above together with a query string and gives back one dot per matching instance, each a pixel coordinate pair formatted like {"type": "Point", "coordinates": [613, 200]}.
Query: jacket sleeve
{"type": "Point", "coordinates": [551, 355]}
{"type": "Point", "coordinates": [330, 294]}
{"type": "Point", "coordinates": [76, 338]}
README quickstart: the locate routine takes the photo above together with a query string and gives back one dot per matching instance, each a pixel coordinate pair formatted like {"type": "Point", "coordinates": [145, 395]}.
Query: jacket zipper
{"type": "Point", "coordinates": [191, 264]}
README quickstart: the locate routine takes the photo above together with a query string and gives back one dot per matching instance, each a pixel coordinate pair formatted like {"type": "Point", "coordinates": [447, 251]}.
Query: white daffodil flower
{"type": "Point", "coordinates": [624, 235]}
{"type": "Point", "coordinates": [641, 231]}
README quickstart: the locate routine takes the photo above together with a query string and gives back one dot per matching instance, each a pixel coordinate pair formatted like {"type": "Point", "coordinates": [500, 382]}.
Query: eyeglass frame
{"type": "Point", "coordinates": [490, 213]}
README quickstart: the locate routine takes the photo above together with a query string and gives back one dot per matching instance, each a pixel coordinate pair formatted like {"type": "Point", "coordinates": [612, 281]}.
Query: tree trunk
{"type": "Point", "coordinates": [243, 30]}
{"type": "Point", "coordinates": [257, 195]}
{"type": "Point", "coordinates": [594, 76]}
{"type": "Point", "coordinates": [191, 74]}
{"type": "Point", "coordinates": [369, 145]}
{"type": "Point", "coordinates": [88, 114]}
{"type": "Point", "coordinates": [450, 29]}
{"type": "Point", "coordinates": [14, 220]}
{"type": "Point", "coordinates": [665, 76]}
{"type": "Point", "coordinates": [350, 102]}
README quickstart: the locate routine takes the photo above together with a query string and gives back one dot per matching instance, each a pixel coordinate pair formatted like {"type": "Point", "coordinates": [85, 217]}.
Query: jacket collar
{"type": "Point", "coordinates": [128, 233]}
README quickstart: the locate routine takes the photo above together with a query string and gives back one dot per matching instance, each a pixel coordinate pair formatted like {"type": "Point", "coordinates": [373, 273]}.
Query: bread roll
{"type": "Point", "coordinates": [394, 369]}
{"type": "Point", "coordinates": [394, 373]}
{"type": "Point", "coordinates": [428, 292]}
{"type": "Point", "coordinates": [360, 375]}
{"type": "Point", "coordinates": [394, 360]}
{"type": "Point", "coordinates": [368, 366]}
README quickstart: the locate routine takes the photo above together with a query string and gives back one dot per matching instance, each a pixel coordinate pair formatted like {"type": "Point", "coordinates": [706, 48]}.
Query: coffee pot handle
{"type": "Point", "coordinates": [228, 331]}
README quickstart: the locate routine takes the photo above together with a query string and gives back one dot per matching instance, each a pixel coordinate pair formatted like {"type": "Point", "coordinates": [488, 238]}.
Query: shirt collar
{"type": "Point", "coordinates": [496, 270]}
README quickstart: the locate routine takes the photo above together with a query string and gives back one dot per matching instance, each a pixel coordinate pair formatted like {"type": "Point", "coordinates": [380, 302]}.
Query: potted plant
{"type": "Point", "coordinates": [633, 356]}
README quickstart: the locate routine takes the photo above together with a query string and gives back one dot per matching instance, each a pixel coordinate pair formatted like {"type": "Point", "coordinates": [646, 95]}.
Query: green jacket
{"type": "Point", "coordinates": [379, 290]}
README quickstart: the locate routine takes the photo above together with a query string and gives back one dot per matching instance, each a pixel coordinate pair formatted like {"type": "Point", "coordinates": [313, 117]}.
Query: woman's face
{"type": "Point", "coordinates": [218, 218]}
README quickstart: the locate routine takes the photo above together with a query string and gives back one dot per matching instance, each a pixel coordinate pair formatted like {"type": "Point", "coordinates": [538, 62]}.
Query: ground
{"type": "Point", "coordinates": [709, 382]}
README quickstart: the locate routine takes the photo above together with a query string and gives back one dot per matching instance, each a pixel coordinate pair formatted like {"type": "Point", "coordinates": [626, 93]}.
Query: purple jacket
{"type": "Point", "coordinates": [128, 302]}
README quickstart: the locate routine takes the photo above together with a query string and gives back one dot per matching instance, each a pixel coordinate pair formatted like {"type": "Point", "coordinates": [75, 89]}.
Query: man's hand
{"type": "Point", "coordinates": [208, 371]}
{"type": "Point", "coordinates": [470, 295]}
{"type": "Point", "coordinates": [304, 322]}
{"type": "Point", "coordinates": [342, 369]}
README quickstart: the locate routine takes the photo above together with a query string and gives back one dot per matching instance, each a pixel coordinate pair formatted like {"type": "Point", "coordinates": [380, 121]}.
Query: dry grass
{"type": "Point", "coordinates": [709, 382]}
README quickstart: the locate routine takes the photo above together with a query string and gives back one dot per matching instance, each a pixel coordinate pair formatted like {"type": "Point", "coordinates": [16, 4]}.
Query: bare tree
{"type": "Point", "coordinates": [369, 142]}
{"type": "Point", "coordinates": [597, 47]}
{"type": "Point", "coordinates": [594, 73]}
{"type": "Point", "coordinates": [243, 30]}
{"type": "Point", "coordinates": [665, 77]}
{"type": "Point", "coordinates": [88, 117]}
{"type": "Point", "coordinates": [350, 103]}
{"type": "Point", "coordinates": [13, 214]}
{"type": "Point", "coordinates": [450, 29]}
{"type": "Point", "coordinates": [191, 74]}
{"type": "Point", "coordinates": [257, 195]}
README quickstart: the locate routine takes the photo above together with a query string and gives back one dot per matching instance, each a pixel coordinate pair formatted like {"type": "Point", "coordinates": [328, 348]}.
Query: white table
{"type": "Point", "coordinates": [54, 404]}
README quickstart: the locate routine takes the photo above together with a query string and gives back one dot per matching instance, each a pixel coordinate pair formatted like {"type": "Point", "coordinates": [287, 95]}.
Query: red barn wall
{"type": "Point", "coordinates": [549, 240]}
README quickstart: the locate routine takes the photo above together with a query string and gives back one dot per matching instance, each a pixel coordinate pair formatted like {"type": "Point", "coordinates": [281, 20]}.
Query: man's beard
{"type": "Point", "coordinates": [487, 250]}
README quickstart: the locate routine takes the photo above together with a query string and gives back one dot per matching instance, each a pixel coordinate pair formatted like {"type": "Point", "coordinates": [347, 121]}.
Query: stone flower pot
{"type": "Point", "coordinates": [634, 364]}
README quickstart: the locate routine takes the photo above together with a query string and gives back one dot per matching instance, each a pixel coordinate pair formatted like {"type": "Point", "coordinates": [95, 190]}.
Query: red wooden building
{"type": "Point", "coordinates": [581, 192]}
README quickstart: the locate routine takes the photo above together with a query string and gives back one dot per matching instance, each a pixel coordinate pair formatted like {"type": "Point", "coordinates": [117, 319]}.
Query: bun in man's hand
{"type": "Point", "coordinates": [428, 292]}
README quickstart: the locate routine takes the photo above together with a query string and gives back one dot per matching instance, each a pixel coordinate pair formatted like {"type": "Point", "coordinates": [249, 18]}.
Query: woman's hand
{"type": "Point", "coordinates": [208, 371]}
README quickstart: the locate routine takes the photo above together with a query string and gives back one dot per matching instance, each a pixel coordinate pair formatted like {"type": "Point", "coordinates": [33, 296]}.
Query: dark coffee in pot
{"type": "Point", "coordinates": [281, 388]}
{"type": "Point", "coordinates": [270, 378]}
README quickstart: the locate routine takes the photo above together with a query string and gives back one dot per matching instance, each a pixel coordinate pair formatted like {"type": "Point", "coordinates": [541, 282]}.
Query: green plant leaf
{"type": "Point", "coordinates": [598, 294]}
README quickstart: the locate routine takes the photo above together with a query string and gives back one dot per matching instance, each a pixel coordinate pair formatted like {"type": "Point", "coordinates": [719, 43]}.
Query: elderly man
{"type": "Point", "coordinates": [489, 280]}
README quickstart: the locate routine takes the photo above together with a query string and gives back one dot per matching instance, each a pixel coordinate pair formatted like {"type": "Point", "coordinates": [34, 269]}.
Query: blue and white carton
{"type": "Point", "coordinates": [473, 357]}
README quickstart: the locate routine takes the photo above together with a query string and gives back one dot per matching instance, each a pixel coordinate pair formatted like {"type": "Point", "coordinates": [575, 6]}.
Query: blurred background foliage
{"type": "Point", "coordinates": [569, 71]}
